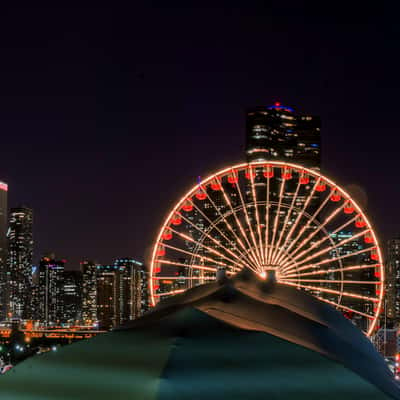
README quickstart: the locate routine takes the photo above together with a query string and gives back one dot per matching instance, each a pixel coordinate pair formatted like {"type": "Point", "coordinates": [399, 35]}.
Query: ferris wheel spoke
{"type": "Point", "coordinates": [207, 258]}
{"type": "Point", "coordinates": [305, 267]}
{"type": "Point", "coordinates": [246, 215]}
{"type": "Point", "coordinates": [276, 220]}
{"type": "Point", "coordinates": [173, 292]}
{"type": "Point", "coordinates": [332, 291]}
{"type": "Point", "coordinates": [257, 217]}
{"type": "Point", "coordinates": [311, 220]}
{"type": "Point", "coordinates": [209, 249]}
{"type": "Point", "coordinates": [325, 238]}
{"type": "Point", "coordinates": [344, 282]}
{"type": "Point", "coordinates": [298, 218]}
{"type": "Point", "coordinates": [213, 239]}
{"type": "Point", "coordinates": [345, 307]}
{"type": "Point", "coordinates": [327, 249]}
{"type": "Point", "coordinates": [267, 206]}
{"type": "Point", "coordinates": [277, 250]}
{"type": "Point", "coordinates": [245, 255]}
{"type": "Point", "coordinates": [184, 278]}
{"type": "Point", "coordinates": [330, 271]}
{"type": "Point", "coordinates": [254, 259]}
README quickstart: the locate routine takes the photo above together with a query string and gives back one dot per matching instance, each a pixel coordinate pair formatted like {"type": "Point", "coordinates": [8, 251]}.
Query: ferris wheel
{"type": "Point", "coordinates": [274, 218]}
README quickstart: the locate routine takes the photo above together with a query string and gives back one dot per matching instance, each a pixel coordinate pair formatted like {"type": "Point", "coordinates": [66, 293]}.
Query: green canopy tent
{"type": "Point", "coordinates": [237, 339]}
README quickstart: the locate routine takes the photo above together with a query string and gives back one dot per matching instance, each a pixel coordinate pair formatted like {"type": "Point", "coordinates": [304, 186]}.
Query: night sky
{"type": "Point", "coordinates": [108, 115]}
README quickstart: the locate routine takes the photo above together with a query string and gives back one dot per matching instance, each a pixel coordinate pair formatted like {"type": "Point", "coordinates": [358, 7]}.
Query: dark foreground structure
{"type": "Point", "coordinates": [238, 339]}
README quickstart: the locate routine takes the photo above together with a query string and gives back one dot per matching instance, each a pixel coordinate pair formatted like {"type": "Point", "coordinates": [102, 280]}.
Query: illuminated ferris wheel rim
{"type": "Point", "coordinates": [235, 169]}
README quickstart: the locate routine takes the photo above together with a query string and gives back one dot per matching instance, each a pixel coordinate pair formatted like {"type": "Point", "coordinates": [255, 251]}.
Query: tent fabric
{"type": "Point", "coordinates": [240, 339]}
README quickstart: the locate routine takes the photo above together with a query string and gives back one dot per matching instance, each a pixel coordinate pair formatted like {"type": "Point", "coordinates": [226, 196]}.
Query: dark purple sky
{"type": "Point", "coordinates": [108, 115]}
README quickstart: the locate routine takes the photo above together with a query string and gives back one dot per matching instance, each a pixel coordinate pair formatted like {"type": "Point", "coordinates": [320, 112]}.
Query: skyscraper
{"type": "Point", "coordinates": [393, 282]}
{"type": "Point", "coordinates": [134, 296]}
{"type": "Point", "coordinates": [108, 296]}
{"type": "Point", "coordinates": [51, 272]}
{"type": "Point", "coordinates": [72, 297]}
{"type": "Point", "coordinates": [278, 133]}
{"type": "Point", "coordinates": [121, 292]}
{"type": "Point", "coordinates": [3, 249]}
{"type": "Point", "coordinates": [19, 268]}
{"type": "Point", "coordinates": [89, 292]}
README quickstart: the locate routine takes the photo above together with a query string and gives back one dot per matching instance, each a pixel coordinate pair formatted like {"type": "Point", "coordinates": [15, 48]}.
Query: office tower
{"type": "Point", "coordinates": [134, 296]}
{"type": "Point", "coordinates": [3, 250]}
{"type": "Point", "coordinates": [19, 268]}
{"type": "Point", "coordinates": [278, 133]}
{"type": "Point", "coordinates": [51, 272]}
{"type": "Point", "coordinates": [72, 297]}
{"type": "Point", "coordinates": [121, 292]}
{"type": "Point", "coordinates": [392, 301]}
{"type": "Point", "coordinates": [89, 292]}
{"type": "Point", "coordinates": [108, 296]}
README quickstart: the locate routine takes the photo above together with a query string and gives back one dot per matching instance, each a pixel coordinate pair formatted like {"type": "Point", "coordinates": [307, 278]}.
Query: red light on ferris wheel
{"type": "Point", "coordinates": [304, 179]}
{"type": "Point", "coordinates": [216, 184]}
{"type": "Point", "coordinates": [187, 205]}
{"type": "Point", "coordinates": [232, 178]}
{"type": "Point", "coordinates": [268, 171]}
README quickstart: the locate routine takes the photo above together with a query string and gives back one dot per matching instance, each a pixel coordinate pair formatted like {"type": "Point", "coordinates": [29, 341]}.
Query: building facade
{"type": "Point", "coordinates": [89, 292]}
{"type": "Point", "coordinates": [392, 267]}
{"type": "Point", "coordinates": [72, 297]}
{"type": "Point", "coordinates": [134, 288]}
{"type": "Point", "coordinates": [19, 265]}
{"type": "Point", "coordinates": [121, 292]}
{"type": "Point", "coordinates": [51, 291]}
{"type": "Point", "coordinates": [278, 133]}
{"type": "Point", "coordinates": [3, 250]}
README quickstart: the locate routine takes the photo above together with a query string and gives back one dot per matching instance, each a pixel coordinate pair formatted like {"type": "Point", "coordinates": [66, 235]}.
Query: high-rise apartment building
{"type": "Point", "coordinates": [89, 292]}
{"type": "Point", "coordinates": [72, 297]}
{"type": "Point", "coordinates": [392, 300]}
{"type": "Point", "coordinates": [3, 250]}
{"type": "Point", "coordinates": [134, 288]}
{"type": "Point", "coordinates": [108, 296]}
{"type": "Point", "coordinates": [51, 290]}
{"type": "Point", "coordinates": [278, 133]}
{"type": "Point", "coordinates": [19, 265]}
{"type": "Point", "coordinates": [121, 292]}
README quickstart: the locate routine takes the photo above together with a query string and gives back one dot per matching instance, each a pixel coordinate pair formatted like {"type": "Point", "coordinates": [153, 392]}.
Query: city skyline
{"type": "Point", "coordinates": [129, 112]}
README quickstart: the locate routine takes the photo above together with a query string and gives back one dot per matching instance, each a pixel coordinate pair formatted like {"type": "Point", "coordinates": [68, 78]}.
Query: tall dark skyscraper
{"type": "Point", "coordinates": [19, 265]}
{"type": "Point", "coordinates": [72, 297]}
{"type": "Point", "coordinates": [278, 133]}
{"type": "Point", "coordinates": [134, 288]}
{"type": "Point", "coordinates": [121, 292]}
{"type": "Point", "coordinates": [51, 290]}
{"type": "Point", "coordinates": [3, 250]}
{"type": "Point", "coordinates": [89, 292]}
{"type": "Point", "coordinates": [393, 282]}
